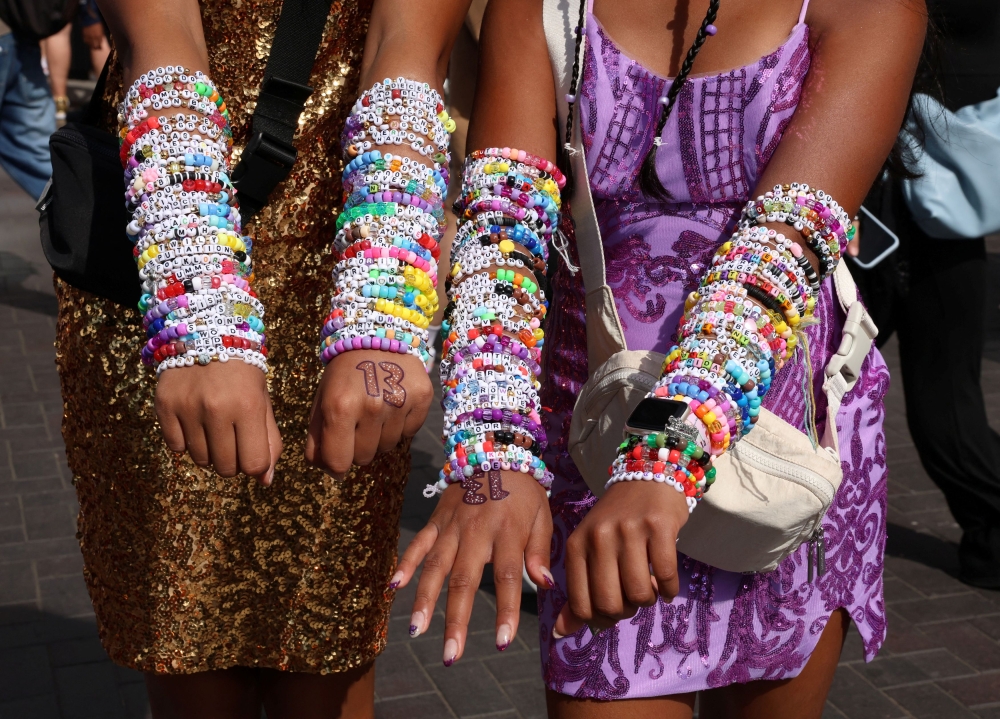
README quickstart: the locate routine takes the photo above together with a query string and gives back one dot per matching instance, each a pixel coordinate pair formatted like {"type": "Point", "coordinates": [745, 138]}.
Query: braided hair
{"type": "Point", "coordinates": [648, 180]}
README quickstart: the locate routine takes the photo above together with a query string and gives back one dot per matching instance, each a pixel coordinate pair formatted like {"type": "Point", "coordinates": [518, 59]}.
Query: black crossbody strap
{"type": "Point", "coordinates": [270, 154]}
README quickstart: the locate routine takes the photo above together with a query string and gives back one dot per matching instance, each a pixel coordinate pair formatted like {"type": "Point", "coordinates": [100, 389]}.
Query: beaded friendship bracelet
{"type": "Point", "coordinates": [194, 263]}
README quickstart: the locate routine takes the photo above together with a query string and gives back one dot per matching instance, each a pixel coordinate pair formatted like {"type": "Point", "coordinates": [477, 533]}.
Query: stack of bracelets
{"type": "Point", "coordinates": [193, 261]}
{"type": "Point", "coordinates": [738, 329]}
{"type": "Point", "coordinates": [508, 210]}
{"type": "Point", "coordinates": [385, 280]}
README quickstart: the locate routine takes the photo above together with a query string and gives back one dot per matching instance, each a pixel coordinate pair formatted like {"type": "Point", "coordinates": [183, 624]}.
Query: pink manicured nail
{"type": "Point", "coordinates": [549, 579]}
{"type": "Point", "coordinates": [450, 652]}
{"type": "Point", "coordinates": [397, 578]}
{"type": "Point", "coordinates": [503, 637]}
{"type": "Point", "coordinates": [416, 624]}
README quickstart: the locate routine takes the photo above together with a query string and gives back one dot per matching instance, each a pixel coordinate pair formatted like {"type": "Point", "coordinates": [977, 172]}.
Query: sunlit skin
{"type": "Point", "coordinates": [236, 432]}
{"type": "Point", "coordinates": [864, 55]}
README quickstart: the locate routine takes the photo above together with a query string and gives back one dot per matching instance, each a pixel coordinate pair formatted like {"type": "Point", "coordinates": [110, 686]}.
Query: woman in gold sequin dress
{"type": "Point", "coordinates": [226, 592]}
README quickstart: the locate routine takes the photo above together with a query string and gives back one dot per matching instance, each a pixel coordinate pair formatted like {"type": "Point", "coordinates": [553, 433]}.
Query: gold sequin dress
{"type": "Point", "coordinates": [189, 571]}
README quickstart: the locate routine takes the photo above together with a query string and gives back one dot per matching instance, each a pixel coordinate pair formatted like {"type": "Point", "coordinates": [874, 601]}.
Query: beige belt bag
{"type": "Point", "coordinates": [773, 487]}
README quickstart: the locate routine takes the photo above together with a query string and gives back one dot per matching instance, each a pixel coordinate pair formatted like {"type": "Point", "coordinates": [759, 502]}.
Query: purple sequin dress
{"type": "Point", "coordinates": [722, 627]}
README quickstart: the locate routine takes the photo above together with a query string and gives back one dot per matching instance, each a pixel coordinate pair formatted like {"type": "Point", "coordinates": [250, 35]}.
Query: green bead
{"type": "Point", "coordinates": [698, 453]}
{"type": "Point", "coordinates": [690, 448]}
{"type": "Point", "coordinates": [661, 440]}
{"type": "Point", "coordinates": [651, 440]}
{"type": "Point", "coordinates": [710, 475]}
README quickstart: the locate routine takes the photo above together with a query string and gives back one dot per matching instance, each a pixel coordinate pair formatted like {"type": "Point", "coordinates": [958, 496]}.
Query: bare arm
{"type": "Point", "coordinates": [864, 56]}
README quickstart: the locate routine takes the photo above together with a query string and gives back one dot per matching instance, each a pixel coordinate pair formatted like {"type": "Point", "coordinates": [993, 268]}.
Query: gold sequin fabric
{"type": "Point", "coordinates": [189, 571]}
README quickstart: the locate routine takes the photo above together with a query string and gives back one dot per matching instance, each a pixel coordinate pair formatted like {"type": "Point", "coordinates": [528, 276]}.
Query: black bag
{"type": "Point", "coordinates": [82, 213]}
{"type": "Point", "coordinates": [34, 20]}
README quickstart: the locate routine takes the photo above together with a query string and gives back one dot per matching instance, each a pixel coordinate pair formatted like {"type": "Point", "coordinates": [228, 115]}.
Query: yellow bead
{"type": "Point", "coordinates": [506, 246]}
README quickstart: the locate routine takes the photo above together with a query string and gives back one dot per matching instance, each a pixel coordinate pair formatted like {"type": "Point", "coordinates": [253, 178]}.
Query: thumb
{"type": "Point", "coordinates": [567, 623]}
{"type": "Point", "coordinates": [274, 444]}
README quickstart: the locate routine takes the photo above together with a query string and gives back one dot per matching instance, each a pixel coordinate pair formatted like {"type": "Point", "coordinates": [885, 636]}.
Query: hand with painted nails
{"type": "Point", "coordinates": [367, 401]}
{"type": "Point", "coordinates": [621, 556]}
{"type": "Point", "coordinates": [499, 517]}
{"type": "Point", "coordinates": [220, 413]}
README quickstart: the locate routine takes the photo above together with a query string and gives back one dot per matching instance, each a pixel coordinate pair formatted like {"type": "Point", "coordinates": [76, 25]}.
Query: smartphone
{"type": "Point", "coordinates": [654, 413]}
{"type": "Point", "coordinates": [877, 241]}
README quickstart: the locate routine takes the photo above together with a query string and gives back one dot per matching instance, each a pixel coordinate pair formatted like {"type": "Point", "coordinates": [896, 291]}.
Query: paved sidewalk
{"type": "Point", "coordinates": [942, 658]}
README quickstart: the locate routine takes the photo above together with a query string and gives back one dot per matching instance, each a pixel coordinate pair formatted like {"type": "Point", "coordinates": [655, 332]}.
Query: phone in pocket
{"type": "Point", "coordinates": [877, 241]}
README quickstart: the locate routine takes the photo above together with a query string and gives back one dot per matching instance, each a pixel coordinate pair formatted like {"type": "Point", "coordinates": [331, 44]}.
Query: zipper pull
{"type": "Point", "coordinates": [809, 560]}
{"type": "Point", "coordinates": [820, 552]}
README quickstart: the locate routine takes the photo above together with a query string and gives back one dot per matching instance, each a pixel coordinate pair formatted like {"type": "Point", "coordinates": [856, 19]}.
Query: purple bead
{"type": "Point", "coordinates": [366, 342]}
{"type": "Point", "coordinates": [339, 346]}
{"type": "Point", "coordinates": [711, 29]}
{"type": "Point", "coordinates": [478, 413]}
{"type": "Point", "coordinates": [356, 343]}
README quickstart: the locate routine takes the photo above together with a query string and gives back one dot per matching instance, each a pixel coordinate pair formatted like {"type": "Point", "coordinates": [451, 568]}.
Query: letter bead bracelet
{"type": "Point", "coordinates": [738, 329]}
{"type": "Point", "coordinates": [194, 262]}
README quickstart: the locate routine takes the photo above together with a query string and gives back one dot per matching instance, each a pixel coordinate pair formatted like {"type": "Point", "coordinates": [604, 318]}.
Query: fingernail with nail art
{"type": "Point", "coordinates": [503, 637]}
{"type": "Point", "coordinates": [416, 624]}
{"type": "Point", "coordinates": [450, 652]}
{"type": "Point", "coordinates": [549, 579]}
{"type": "Point", "coordinates": [396, 580]}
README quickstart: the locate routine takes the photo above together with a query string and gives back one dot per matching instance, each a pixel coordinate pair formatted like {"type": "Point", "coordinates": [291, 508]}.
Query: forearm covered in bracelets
{"type": "Point", "coordinates": [508, 209]}
{"type": "Point", "coordinates": [387, 236]}
{"type": "Point", "coordinates": [194, 263]}
{"type": "Point", "coordinates": [738, 329]}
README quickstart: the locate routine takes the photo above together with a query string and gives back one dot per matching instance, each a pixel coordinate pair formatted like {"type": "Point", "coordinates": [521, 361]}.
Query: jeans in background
{"type": "Point", "coordinates": [27, 115]}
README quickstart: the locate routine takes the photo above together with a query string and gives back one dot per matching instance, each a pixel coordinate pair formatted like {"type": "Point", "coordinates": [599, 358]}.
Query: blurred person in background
{"type": "Point", "coordinates": [940, 215]}
{"type": "Point", "coordinates": [58, 56]}
{"type": "Point", "coordinates": [57, 53]}
{"type": "Point", "coordinates": [94, 35]}
{"type": "Point", "coordinates": [27, 113]}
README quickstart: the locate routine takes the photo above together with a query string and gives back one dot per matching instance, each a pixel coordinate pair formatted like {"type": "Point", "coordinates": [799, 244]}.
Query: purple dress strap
{"type": "Point", "coordinates": [722, 627]}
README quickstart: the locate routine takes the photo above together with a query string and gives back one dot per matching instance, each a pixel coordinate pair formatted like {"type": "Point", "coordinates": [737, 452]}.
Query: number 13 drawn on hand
{"type": "Point", "coordinates": [394, 394]}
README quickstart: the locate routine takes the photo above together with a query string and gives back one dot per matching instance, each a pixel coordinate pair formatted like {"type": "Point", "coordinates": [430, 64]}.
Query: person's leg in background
{"type": "Point", "coordinates": [27, 115]}
{"type": "Point", "coordinates": [941, 357]}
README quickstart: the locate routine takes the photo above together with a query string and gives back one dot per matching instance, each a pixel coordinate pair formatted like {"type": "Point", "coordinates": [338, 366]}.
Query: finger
{"type": "Point", "coordinates": [221, 436]}
{"type": "Point", "coordinates": [195, 440]}
{"type": "Point", "coordinates": [418, 548]}
{"type": "Point", "coordinates": [605, 580]}
{"type": "Point", "coordinates": [463, 584]}
{"type": "Point", "coordinates": [366, 440]}
{"type": "Point", "coordinates": [392, 432]}
{"type": "Point", "coordinates": [253, 455]}
{"type": "Point", "coordinates": [274, 444]}
{"type": "Point", "coordinates": [508, 562]}
{"type": "Point", "coordinates": [662, 551]}
{"type": "Point", "coordinates": [337, 442]}
{"type": "Point", "coordinates": [314, 437]}
{"type": "Point", "coordinates": [567, 623]}
{"type": "Point", "coordinates": [173, 433]}
{"type": "Point", "coordinates": [420, 404]}
{"type": "Point", "coordinates": [437, 564]}
{"type": "Point", "coordinates": [537, 554]}
{"type": "Point", "coordinates": [577, 582]}
{"type": "Point", "coordinates": [633, 565]}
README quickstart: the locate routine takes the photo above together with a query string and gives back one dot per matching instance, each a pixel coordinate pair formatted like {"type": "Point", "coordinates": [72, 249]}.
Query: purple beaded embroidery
{"type": "Point", "coordinates": [722, 627]}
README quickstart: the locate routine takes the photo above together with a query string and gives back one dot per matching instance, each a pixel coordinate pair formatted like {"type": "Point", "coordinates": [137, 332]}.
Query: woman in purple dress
{"type": "Point", "coordinates": [803, 104]}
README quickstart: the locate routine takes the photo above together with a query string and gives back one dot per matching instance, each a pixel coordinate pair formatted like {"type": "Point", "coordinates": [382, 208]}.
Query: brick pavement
{"type": "Point", "coordinates": [941, 660]}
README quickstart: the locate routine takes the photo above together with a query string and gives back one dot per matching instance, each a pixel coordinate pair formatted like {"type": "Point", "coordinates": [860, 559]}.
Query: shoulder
{"type": "Point", "coordinates": [869, 20]}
